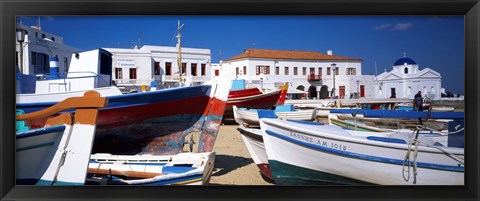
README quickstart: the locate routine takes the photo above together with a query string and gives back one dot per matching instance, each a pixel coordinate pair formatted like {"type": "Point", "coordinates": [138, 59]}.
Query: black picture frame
{"type": "Point", "coordinates": [470, 9]}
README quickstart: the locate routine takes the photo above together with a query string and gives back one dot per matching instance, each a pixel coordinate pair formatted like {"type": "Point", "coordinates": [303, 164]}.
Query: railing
{"type": "Point", "coordinates": [64, 76]}
{"type": "Point", "coordinates": [314, 77]}
{"type": "Point", "coordinates": [132, 82]}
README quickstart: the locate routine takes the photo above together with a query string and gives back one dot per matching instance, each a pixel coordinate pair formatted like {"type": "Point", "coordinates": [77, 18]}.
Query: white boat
{"type": "Point", "coordinates": [305, 154]}
{"type": "Point", "coordinates": [58, 154]}
{"type": "Point", "coordinates": [250, 116]}
{"type": "Point", "coordinates": [252, 137]}
{"type": "Point", "coordinates": [151, 170]}
{"type": "Point", "coordinates": [442, 109]}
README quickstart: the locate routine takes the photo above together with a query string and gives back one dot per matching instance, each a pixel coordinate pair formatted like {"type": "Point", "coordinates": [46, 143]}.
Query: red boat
{"type": "Point", "coordinates": [244, 92]}
{"type": "Point", "coordinates": [154, 122]}
{"type": "Point", "coordinates": [253, 100]}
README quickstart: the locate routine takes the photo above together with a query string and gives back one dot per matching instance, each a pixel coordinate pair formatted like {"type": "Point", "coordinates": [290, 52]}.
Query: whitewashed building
{"type": "Point", "coordinates": [406, 79]}
{"type": "Point", "coordinates": [33, 49]}
{"type": "Point", "coordinates": [139, 66]}
{"type": "Point", "coordinates": [313, 72]}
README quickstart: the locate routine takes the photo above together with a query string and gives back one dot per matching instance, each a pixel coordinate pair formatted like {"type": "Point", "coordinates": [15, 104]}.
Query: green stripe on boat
{"type": "Point", "coordinates": [35, 146]}
{"type": "Point", "coordinates": [287, 174]}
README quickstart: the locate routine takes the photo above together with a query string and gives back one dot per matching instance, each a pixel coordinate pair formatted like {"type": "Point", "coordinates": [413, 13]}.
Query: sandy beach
{"type": "Point", "coordinates": [233, 164]}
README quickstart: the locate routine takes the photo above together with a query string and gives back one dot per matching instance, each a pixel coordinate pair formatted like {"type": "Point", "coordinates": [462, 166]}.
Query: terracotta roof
{"type": "Point", "coordinates": [288, 54]}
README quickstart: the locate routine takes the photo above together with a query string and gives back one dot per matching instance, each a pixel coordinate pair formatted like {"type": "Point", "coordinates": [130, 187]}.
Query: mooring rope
{"type": "Point", "coordinates": [444, 133]}
{"type": "Point", "coordinates": [413, 140]}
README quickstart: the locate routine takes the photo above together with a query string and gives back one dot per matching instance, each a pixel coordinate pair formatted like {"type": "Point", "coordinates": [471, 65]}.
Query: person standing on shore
{"type": "Point", "coordinates": [418, 104]}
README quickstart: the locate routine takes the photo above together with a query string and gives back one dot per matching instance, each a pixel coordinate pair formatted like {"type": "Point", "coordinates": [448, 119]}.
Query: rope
{"type": "Point", "coordinates": [444, 133]}
{"type": "Point", "coordinates": [413, 140]}
{"type": "Point", "coordinates": [452, 156]}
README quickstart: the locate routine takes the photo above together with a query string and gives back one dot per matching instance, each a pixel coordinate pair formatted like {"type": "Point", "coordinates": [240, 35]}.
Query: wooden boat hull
{"type": "Point", "coordinates": [260, 101]}
{"type": "Point", "coordinates": [250, 116]}
{"type": "Point", "coordinates": [309, 154]}
{"type": "Point", "coordinates": [155, 122]}
{"type": "Point", "coordinates": [244, 92]}
{"type": "Point", "coordinates": [150, 170]}
{"type": "Point", "coordinates": [253, 140]}
{"type": "Point", "coordinates": [353, 125]}
{"type": "Point", "coordinates": [58, 154]}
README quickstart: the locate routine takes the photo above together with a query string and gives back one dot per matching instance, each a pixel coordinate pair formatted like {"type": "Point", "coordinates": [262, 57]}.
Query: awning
{"type": "Point", "coordinates": [295, 91]}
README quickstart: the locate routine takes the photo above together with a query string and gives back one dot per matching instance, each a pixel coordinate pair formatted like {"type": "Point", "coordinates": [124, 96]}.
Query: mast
{"type": "Point", "coordinates": [179, 44]}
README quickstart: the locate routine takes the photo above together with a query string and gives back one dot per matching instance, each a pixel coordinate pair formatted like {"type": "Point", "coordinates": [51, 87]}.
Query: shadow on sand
{"type": "Point", "coordinates": [228, 163]}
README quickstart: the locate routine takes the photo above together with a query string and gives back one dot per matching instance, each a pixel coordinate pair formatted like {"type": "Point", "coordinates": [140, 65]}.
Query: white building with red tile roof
{"type": "Point", "coordinates": [308, 71]}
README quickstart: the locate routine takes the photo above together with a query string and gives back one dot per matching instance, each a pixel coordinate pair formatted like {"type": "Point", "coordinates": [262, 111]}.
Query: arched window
{"type": "Point", "coordinates": [409, 91]}
{"type": "Point", "coordinates": [405, 70]}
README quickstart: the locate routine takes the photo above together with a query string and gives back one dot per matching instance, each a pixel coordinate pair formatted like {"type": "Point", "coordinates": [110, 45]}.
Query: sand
{"type": "Point", "coordinates": [233, 164]}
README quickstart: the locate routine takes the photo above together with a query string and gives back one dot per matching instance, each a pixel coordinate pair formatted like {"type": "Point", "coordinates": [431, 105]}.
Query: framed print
{"type": "Point", "coordinates": [336, 51]}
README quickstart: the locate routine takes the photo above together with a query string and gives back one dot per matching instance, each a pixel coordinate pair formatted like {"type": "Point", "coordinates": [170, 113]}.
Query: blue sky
{"type": "Point", "coordinates": [436, 42]}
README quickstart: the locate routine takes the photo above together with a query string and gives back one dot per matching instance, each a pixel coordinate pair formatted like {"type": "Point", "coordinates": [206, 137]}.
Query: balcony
{"type": "Point", "coordinates": [314, 77]}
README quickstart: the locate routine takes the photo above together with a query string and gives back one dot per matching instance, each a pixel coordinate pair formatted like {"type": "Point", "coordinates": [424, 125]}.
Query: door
{"type": "Point", "coordinates": [324, 92]}
{"type": "Point", "coordinates": [392, 91]}
{"type": "Point", "coordinates": [341, 92]}
{"type": "Point", "coordinates": [362, 90]}
{"type": "Point", "coordinates": [312, 91]}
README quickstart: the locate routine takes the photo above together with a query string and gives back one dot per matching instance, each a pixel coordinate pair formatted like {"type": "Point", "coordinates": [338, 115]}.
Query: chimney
{"type": "Point", "coordinates": [329, 52]}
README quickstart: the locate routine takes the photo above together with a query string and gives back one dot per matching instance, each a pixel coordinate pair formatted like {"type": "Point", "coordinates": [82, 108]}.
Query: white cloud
{"type": "Point", "coordinates": [402, 26]}
{"type": "Point", "coordinates": [382, 26]}
{"type": "Point", "coordinates": [396, 27]}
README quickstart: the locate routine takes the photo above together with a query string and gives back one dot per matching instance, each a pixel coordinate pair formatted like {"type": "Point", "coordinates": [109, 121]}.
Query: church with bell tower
{"type": "Point", "coordinates": [406, 79]}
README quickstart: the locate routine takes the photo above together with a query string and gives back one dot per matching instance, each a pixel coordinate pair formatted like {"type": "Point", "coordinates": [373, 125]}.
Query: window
{"type": "Point", "coordinates": [168, 68]}
{"type": "Point", "coordinates": [277, 70]}
{"type": "Point", "coordinates": [65, 63]}
{"type": "Point", "coordinates": [156, 66]}
{"type": "Point", "coordinates": [295, 70]}
{"type": "Point", "coordinates": [184, 68]}
{"type": "Point", "coordinates": [304, 70]}
{"type": "Point", "coordinates": [351, 71]}
{"type": "Point", "coordinates": [118, 73]}
{"type": "Point", "coordinates": [194, 69]}
{"type": "Point", "coordinates": [40, 63]}
{"type": "Point", "coordinates": [336, 70]}
{"type": "Point", "coordinates": [286, 70]}
{"type": "Point", "coordinates": [237, 71]}
{"type": "Point", "coordinates": [320, 71]}
{"type": "Point", "coordinates": [263, 70]}
{"type": "Point", "coordinates": [53, 38]}
{"type": "Point", "coordinates": [405, 70]}
{"type": "Point", "coordinates": [217, 72]}
{"type": "Point", "coordinates": [312, 71]}
{"type": "Point", "coordinates": [43, 36]}
{"type": "Point", "coordinates": [328, 71]}
{"type": "Point", "coordinates": [105, 64]}
{"type": "Point", "coordinates": [203, 69]}
{"type": "Point", "coordinates": [133, 73]}
{"type": "Point", "coordinates": [244, 70]}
